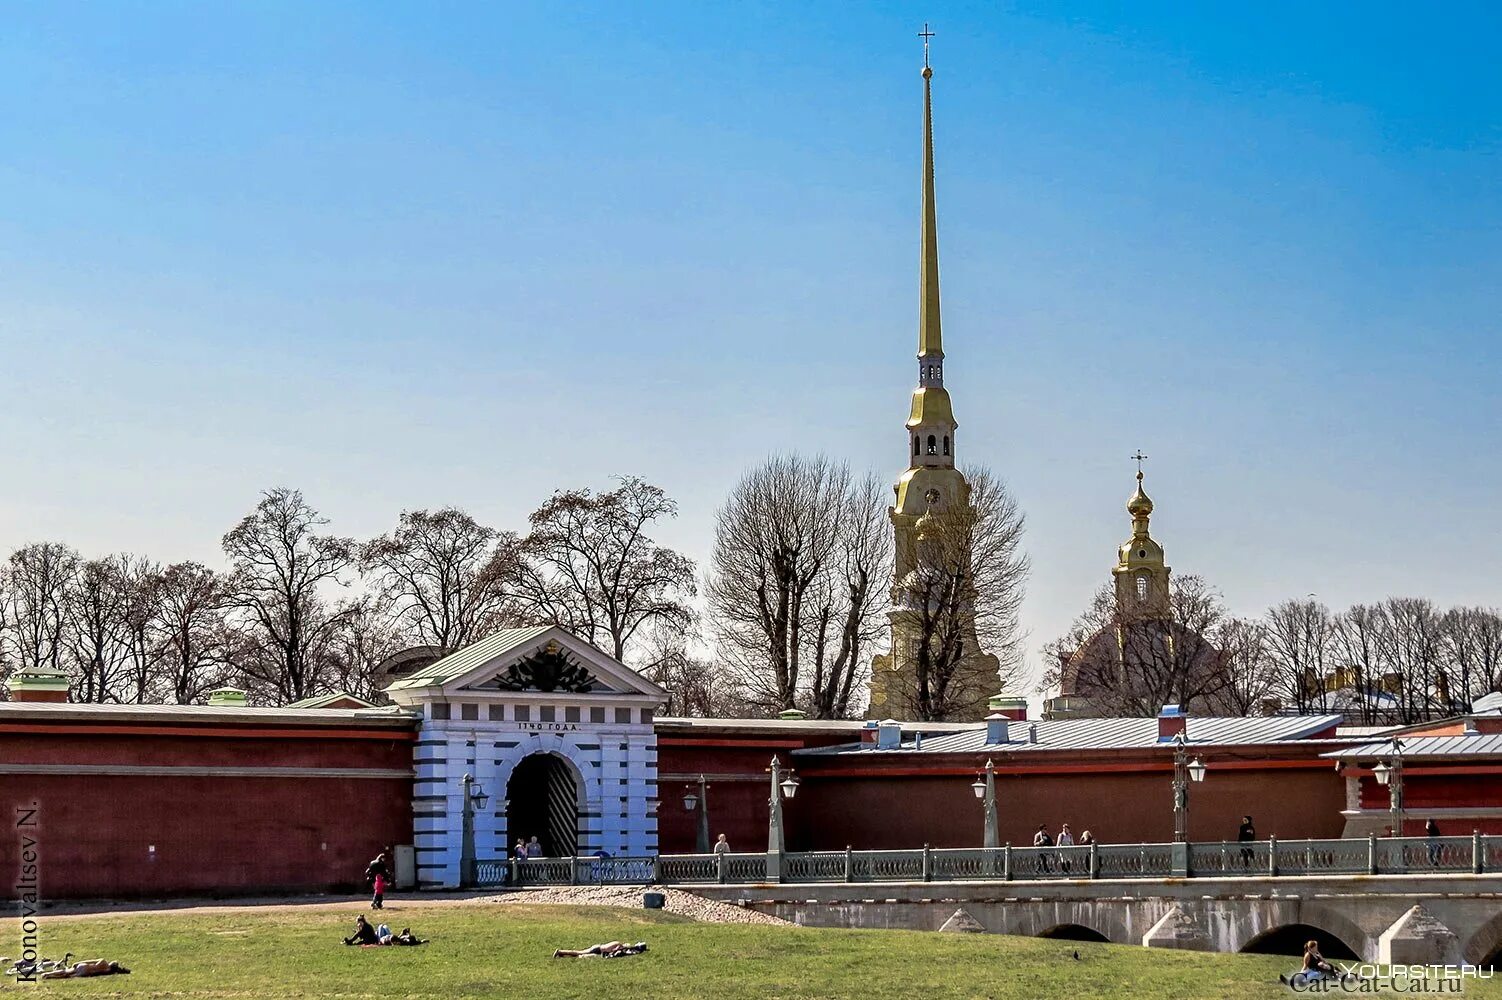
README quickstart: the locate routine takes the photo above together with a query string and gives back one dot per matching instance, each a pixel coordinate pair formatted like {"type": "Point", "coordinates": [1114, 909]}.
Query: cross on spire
{"type": "Point", "coordinates": [925, 34]}
{"type": "Point", "coordinates": [1138, 458]}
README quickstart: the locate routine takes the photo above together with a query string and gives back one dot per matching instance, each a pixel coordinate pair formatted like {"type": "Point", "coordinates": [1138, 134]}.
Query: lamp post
{"type": "Point", "coordinates": [1184, 772]}
{"type": "Point", "coordinates": [985, 790]}
{"type": "Point", "coordinates": [782, 787]}
{"type": "Point", "coordinates": [1392, 777]}
{"type": "Point", "coordinates": [700, 802]}
{"type": "Point", "coordinates": [474, 798]}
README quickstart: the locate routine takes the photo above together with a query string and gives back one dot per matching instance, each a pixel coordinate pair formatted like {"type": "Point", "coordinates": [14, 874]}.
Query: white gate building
{"type": "Point", "coordinates": [558, 740]}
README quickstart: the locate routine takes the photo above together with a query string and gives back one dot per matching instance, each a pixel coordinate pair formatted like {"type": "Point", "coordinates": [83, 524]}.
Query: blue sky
{"type": "Point", "coordinates": [405, 256]}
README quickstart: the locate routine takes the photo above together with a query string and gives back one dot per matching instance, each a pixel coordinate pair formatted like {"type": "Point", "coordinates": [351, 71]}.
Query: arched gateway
{"type": "Point", "coordinates": [542, 801]}
{"type": "Point", "coordinates": [557, 739]}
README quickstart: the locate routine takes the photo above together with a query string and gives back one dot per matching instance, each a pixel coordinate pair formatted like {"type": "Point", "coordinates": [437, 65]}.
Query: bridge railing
{"type": "Point", "coordinates": [1263, 858]}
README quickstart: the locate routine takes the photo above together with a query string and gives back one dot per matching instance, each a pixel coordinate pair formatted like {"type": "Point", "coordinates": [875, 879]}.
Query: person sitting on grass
{"type": "Point", "coordinates": [364, 933]}
{"type": "Point", "coordinates": [1314, 968]}
{"type": "Point", "coordinates": [88, 967]}
{"type": "Point", "coordinates": [611, 949]}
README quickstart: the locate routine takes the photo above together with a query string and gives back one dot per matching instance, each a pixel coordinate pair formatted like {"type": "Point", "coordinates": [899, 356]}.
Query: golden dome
{"type": "Point", "coordinates": [1140, 505]}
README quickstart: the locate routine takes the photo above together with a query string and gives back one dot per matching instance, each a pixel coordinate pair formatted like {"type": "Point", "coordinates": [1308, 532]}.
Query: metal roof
{"type": "Point", "coordinates": [851, 726]}
{"type": "Point", "coordinates": [1105, 734]}
{"type": "Point", "coordinates": [1477, 745]}
{"type": "Point", "coordinates": [476, 654]}
{"type": "Point", "coordinates": [166, 714]}
{"type": "Point", "coordinates": [324, 700]}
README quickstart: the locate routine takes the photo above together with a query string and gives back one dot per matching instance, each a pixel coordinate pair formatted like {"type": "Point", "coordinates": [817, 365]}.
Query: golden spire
{"type": "Point", "coordinates": [930, 337]}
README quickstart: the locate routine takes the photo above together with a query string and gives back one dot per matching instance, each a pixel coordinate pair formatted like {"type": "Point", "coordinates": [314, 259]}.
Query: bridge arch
{"type": "Point", "coordinates": [1289, 939]}
{"type": "Point", "coordinates": [1073, 932]}
{"type": "Point", "coordinates": [1484, 949]}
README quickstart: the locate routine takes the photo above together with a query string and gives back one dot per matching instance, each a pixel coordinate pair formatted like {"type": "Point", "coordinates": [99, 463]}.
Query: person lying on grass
{"type": "Point", "coordinates": [368, 937]}
{"type": "Point", "coordinates": [611, 949]}
{"type": "Point", "coordinates": [88, 967]}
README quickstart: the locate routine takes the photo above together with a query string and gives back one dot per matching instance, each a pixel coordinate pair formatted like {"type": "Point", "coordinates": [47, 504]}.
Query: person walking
{"type": "Point", "coordinates": [1043, 839]}
{"type": "Point", "coordinates": [534, 849]}
{"type": "Point", "coordinates": [520, 850]}
{"type": "Point", "coordinates": [1246, 834]}
{"type": "Point", "coordinates": [1431, 831]}
{"type": "Point", "coordinates": [377, 873]}
{"type": "Point", "coordinates": [721, 845]}
{"type": "Point", "coordinates": [1066, 839]}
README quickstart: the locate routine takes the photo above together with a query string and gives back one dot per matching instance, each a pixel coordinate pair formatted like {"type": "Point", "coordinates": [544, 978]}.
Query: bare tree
{"type": "Point", "coordinates": [1250, 679]}
{"type": "Point", "coordinates": [794, 583]}
{"type": "Point", "coordinates": [444, 575]}
{"type": "Point", "coordinates": [1128, 665]}
{"type": "Point", "coordinates": [139, 620]}
{"type": "Point", "coordinates": [367, 637]}
{"type": "Point", "coordinates": [37, 579]}
{"type": "Point", "coordinates": [1357, 632]}
{"type": "Point", "coordinates": [280, 571]}
{"type": "Point", "coordinates": [589, 565]}
{"type": "Point", "coordinates": [1410, 646]}
{"type": "Point", "coordinates": [1299, 637]}
{"type": "Point", "coordinates": [96, 602]}
{"type": "Point", "coordinates": [192, 638]}
{"type": "Point", "coordinates": [964, 597]}
{"type": "Point", "coordinates": [1472, 653]}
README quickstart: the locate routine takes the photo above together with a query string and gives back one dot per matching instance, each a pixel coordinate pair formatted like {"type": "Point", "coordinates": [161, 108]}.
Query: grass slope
{"type": "Point", "coordinates": [504, 951]}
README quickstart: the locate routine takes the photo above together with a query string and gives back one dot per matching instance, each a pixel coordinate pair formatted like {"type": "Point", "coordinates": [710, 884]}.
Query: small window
{"type": "Point", "coordinates": [547, 713]}
{"type": "Point", "coordinates": [440, 710]}
{"type": "Point", "coordinates": [469, 713]}
{"type": "Point", "coordinates": [571, 714]}
{"type": "Point", "coordinates": [646, 716]}
{"type": "Point", "coordinates": [933, 445]}
{"type": "Point", "coordinates": [946, 444]}
{"type": "Point", "coordinates": [917, 447]}
{"type": "Point", "coordinates": [597, 714]}
{"type": "Point", "coordinates": [1142, 588]}
{"type": "Point", "coordinates": [497, 713]}
{"type": "Point", "coordinates": [622, 716]}
{"type": "Point", "coordinates": [521, 713]}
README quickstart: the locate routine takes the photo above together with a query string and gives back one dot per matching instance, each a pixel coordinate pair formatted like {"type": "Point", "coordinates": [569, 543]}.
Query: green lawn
{"type": "Point", "coordinates": [504, 951]}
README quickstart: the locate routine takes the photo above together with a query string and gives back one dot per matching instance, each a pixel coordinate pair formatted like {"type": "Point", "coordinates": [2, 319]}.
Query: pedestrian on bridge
{"type": "Point", "coordinates": [1066, 839]}
{"type": "Point", "coordinates": [1246, 834]}
{"type": "Point", "coordinates": [1043, 839]}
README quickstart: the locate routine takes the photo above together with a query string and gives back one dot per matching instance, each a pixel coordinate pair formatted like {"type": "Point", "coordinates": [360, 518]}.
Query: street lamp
{"type": "Point", "coordinates": [700, 802]}
{"type": "Point", "coordinates": [1392, 777]}
{"type": "Point", "coordinates": [474, 799]}
{"type": "Point", "coordinates": [1184, 772]}
{"type": "Point", "coordinates": [985, 790]}
{"type": "Point", "coordinates": [783, 786]}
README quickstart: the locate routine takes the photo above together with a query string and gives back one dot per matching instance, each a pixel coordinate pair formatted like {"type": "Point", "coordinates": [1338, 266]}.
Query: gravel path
{"type": "Point", "coordinates": [679, 902]}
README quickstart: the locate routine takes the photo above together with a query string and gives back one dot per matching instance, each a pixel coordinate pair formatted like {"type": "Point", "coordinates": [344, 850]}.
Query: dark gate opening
{"type": "Point", "coordinates": [542, 801]}
{"type": "Point", "coordinates": [1074, 932]}
{"type": "Point", "coordinates": [1290, 939]}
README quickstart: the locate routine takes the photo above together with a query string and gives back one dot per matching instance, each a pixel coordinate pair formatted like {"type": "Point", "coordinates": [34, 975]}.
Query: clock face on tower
{"type": "Point", "coordinates": [932, 496]}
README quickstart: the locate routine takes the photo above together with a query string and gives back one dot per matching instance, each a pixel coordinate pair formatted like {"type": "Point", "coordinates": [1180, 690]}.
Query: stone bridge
{"type": "Point", "coordinates": [1407, 919]}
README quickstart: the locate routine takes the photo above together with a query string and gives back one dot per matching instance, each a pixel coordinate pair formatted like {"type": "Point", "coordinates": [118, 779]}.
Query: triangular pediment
{"type": "Point", "coordinates": [545, 660]}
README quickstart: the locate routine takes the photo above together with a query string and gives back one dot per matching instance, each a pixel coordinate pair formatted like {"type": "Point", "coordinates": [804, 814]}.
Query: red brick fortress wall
{"type": "Point", "coordinates": [162, 809]}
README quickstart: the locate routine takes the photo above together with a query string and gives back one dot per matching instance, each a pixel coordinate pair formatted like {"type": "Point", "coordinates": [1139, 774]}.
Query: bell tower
{"type": "Point", "coordinates": [1141, 575]}
{"type": "Point", "coordinates": [930, 490]}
